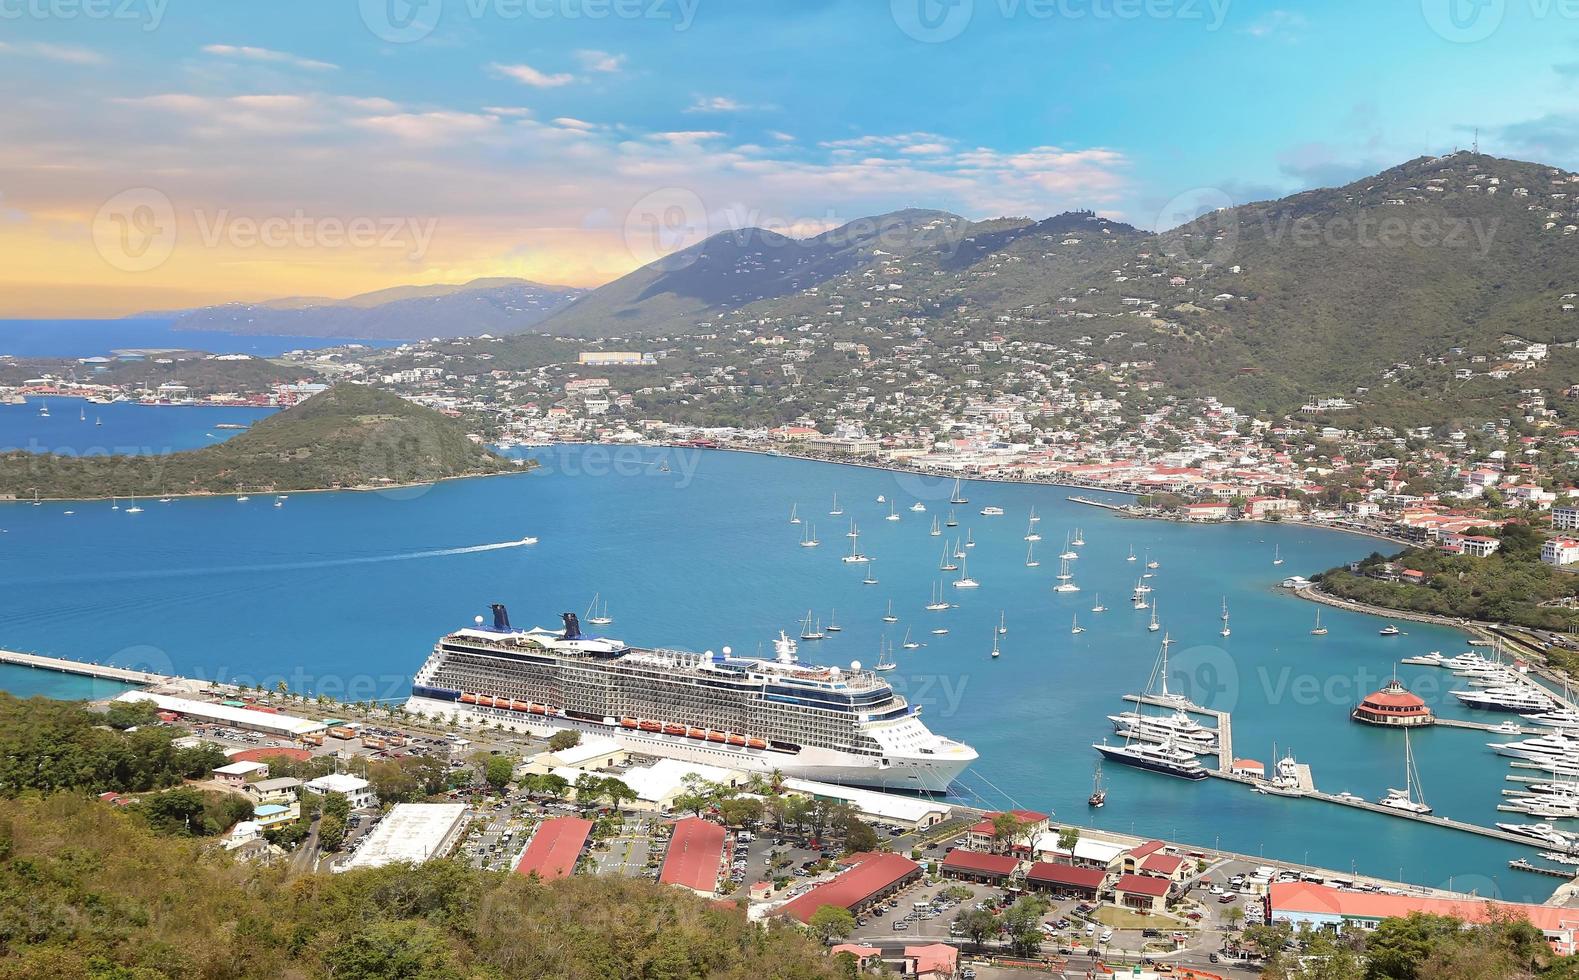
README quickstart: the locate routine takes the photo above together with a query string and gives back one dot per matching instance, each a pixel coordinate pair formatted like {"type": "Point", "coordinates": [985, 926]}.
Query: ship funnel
{"type": "Point", "coordinates": [501, 616]}
{"type": "Point", "coordinates": [572, 626]}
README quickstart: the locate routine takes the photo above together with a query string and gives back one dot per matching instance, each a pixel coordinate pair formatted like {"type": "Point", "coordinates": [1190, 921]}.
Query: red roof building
{"type": "Point", "coordinates": [1145, 892]}
{"type": "Point", "coordinates": [1301, 902]}
{"type": "Point", "coordinates": [1085, 882]}
{"type": "Point", "coordinates": [1393, 707]}
{"type": "Point", "coordinates": [555, 848]}
{"type": "Point", "coordinates": [977, 866]}
{"type": "Point", "coordinates": [1166, 865]}
{"type": "Point", "coordinates": [696, 853]}
{"type": "Point", "coordinates": [935, 960]}
{"type": "Point", "coordinates": [871, 876]}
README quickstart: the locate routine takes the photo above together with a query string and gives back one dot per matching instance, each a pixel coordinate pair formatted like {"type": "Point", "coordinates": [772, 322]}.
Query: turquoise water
{"type": "Point", "coordinates": [91, 338]}
{"type": "Point", "coordinates": [128, 428]}
{"type": "Point", "coordinates": [345, 594]}
{"type": "Point", "coordinates": [26, 682]}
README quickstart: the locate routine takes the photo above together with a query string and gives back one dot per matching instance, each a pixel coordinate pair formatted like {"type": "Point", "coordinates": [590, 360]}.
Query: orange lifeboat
{"type": "Point", "coordinates": [674, 729]}
{"type": "Point", "coordinates": [538, 709]}
{"type": "Point", "coordinates": [518, 705]}
{"type": "Point", "coordinates": [627, 722]}
{"type": "Point", "coordinates": [650, 726]}
{"type": "Point", "coordinates": [756, 743]}
{"type": "Point", "coordinates": [695, 733]}
{"type": "Point", "coordinates": [717, 737]}
{"type": "Point", "coordinates": [468, 699]}
{"type": "Point", "coordinates": [737, 740]}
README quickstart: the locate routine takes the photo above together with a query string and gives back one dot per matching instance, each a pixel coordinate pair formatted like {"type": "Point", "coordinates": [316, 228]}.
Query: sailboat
{"type": "Point", "coordinates": [1030, 556]}
{"type": "Point", "coordinates": [36, 501]}
{"type": "Point", "coordinates": [43, 410]}
{"type": "Point", "coordinates": [1030, 531]}
{"type": "Point", "coordinates": [889, 617]}
{"type": "Point", "coordinates": [82, 415]}
{"type": "Point", "coordinates": [596, 616]}
{"type": "Point", "coordinates": [1075, 626]}
{"type": "Point", "coordinates": [833, 627]}
{"type": "Point", "coordinates": [1410, 799]}
{"type": "Point", "coordinates": [893, 515]}
{"type": "Point", "coordinates": [855, 557]}
{"type": "Point", "coordinates": [959, 548]}
{"type": "Point", "coordinates": [970, 539]}
{"type": "Point", "coordinates": [1069, 553]}
{"type": "Point", "coordinates": [97, 420]}
{"type": "Point", "coordinates": [1098, 794]}
{"type": "Point", "coordinates": [965, 581]}
{"type": "Point", "coordinates": [810, 538]}
{"type": "Point", "coordinates": [870, 579]}
{"type": "Point", "coordinates": [1065, 577]}
{"type": "Point", "coordinates": [908, 643]}
{"type": "Point", "coordinates": [944, 564]}
{"type": "Point", "coordinates": [1002, 628]}
{"type": "Point", "coordinates": [794, 517]}
{"type": "Point", "coordinates": [1034, 518]}
{"type": "Point", "coordinates": [115, 503]}
{"type": "Point", "coordinates": [1079, 540]}
{"type": "Point", "coordinates": [1277, 555]}
{"type": "Point", "coordinates": [1225, 630]}
{"type": "Point", "coordinates": [936, 528]}
{"type": "Point", "coordinates": [996, 653]}
{"type": "Point", "coordinates": [810, 632]}
{"type": "Point", "coordinates": [957, 497]}
{"type": "Point", "coordinates": [837, 511]}
{"type": "Point", "coordinates": [853, 532]}
{"type": "Point", "coordinates": [134, 509]}
{"type": "Point", "coordinates": [1097, 606]}
{"type": "Point", "coordinates": [884, 661]}
{"type": "Point", "coordinates": [952, 520]}
{"type": "Point", "coordinates": [1318, 629]}
{"type": "Point", "coordinates": [937, 604]}
{"type": "Point", "coordinates": [1131, 553]}
{"type": "Point", "coordinates": [1153, 626]}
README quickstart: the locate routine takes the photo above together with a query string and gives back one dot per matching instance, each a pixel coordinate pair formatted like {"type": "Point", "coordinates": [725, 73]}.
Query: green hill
{"type": "Point", "coordinates": [350, 436]}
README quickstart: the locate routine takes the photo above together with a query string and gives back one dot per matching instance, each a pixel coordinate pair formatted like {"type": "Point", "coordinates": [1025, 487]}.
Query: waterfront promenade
{"type": "Point", "coordinates": [101, 672]}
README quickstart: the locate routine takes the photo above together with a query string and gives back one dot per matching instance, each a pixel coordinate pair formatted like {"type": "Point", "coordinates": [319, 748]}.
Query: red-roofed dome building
{"type": "Point", "coordinates": [1393, 707]}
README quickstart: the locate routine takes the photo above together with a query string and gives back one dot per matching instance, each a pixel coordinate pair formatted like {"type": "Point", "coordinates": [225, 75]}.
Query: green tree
{"type": "Point", "coordinates": [978, 925]}
{"type": "Point", "coordinates": [497, 771]}
{"type": "Point", "coordinates": [130, 714]}
{"type": "Point", "coordinates": [566, 738]}
{"type": "Point", "coordinates": [831, 922]}
{"type": "Point", "coordinates": [1023, 920]}
{"type": "Point", "coordinates": [1068, 837]}
{"type": "Point", "coordinates": [393, 951]}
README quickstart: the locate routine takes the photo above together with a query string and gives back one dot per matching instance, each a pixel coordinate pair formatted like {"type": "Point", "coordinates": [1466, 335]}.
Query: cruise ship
{"type": "Point", "coordinates": [823, 723]}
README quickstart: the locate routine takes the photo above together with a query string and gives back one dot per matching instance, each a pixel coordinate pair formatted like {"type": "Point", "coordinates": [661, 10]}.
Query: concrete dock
{"type": "Point", "coordinates": [99, 671]}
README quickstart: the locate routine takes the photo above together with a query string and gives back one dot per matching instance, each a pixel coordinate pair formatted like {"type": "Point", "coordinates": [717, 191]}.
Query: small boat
{"type": "Point", "coordinates": [940, 631]}
{"type": "Point", "coordinates": [952, 520]}
{"type": "Point", "coordinates": [68, 513]}
{"type": "Point", "coordinates": [996, 653]}
{"type": "Point", "coordinates": [597, 617]}
{"type": "Point", "coordinates": [1153, 563]}
{"type": "Point", "coordinates": [1079, 540]}
{"type": "Point", "coordinates": [1098, 794]}
{"type": "Point", "coordinates": [957, 497]}
{"type": "Point", "coordinates": [853, 532]}
{"type": "Point", "coordinates": [937, 604]}
{"type": "Point", "coordinates": [97, 420]}
{"type": "Point", "coordinates": [992, 511]}
{"type": "Point", "coordinates": [884, 662]}
{"type": "Point", "coordinates": [918, 507]}
{"type": "Point", "coordinates": [1277, 556]}
{"type": "Point", "coordinates": [1225, 631]}
{"type": "Point", "coordinates": [809, 540]}
{"type": "Point", "coordinates": [1030, 531]}
{"type": "Point", "coordinates": [243, 499]}
{"type": "Point", "coordinates": [870, 578]}
{"type": "Point", "coordinates": [1002, 628]}
{"type": "Point", "coordinates": [1389, 630]}
{"type": "Point", "coordinates": [965, 581]}
{"type": "Point", "coordinates": [1318, 629]}
{"type": "Point", "coordinates": [134, 509]}
{"type": "Point", "coordinates": [889, 617]}
{"type": "Point", "coordinates": [908, 643]}
{"type": "Point", "coordinates": [945, 564]}
{"type": "Point", "coordinates": [115, 503]}
{"type": "Point", "coordinates": [82, 415]}
{"type": "Point", "coordinates": [1409, 799]}
{"type": "Point", "coordinates": [164, 500]}
{"type": "Point", "coordinates": [1030, 557]}
{"type": "Point", "coordinates": [893, 515]}
{"type": "Point", "coordinates": [834, 627]}
{"type": "Point", "coordinates": [855, 557]}
{"type": "Point", "coordinates": [810, 632]}
{"type": "Point", "coordinates": [1065, 578]}
{"type": "Point", "coordinates": [882, 499]}
{"type": "Point", "coordinates": [1097, 607]}
{"type": "Point", "coordinates": [43, 411]}
{"type": "Point", "coordinates": [1035, 519]}
{"type": "Point", "coordinates": [970, 539]}
{"type": "Point", "coordinates": [794, 517]}
{"type": "Point", "coordinates": [936, 529]}
{"type": "Point", "coordinates": [1131, 554]}
{"type": "Point", "coordinates": [529, 539]}
{"type": "Point", "coordinates": [1153, 626]}
{"type": "Point", "coordinates": [1075, 627]}
{"type": "Point", "coordinates": [837, 511]}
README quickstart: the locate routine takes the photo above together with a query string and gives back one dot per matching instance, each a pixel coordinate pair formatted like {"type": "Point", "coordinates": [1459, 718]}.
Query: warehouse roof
{"type": "Point", "coordinates": [696, 851]}
{"type": "Point", "coordinates": [263, 721]}
{"type": "Point", "coordinates": [555, 848]}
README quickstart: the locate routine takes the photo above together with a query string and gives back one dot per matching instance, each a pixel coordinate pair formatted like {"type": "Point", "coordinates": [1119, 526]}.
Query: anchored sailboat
{"type": "Point", "coordinates": [794, 517]}
{"type": "Point", "coordinates": [995, 651]}
{"type": "Point", "coordinates": [1097, 607]}
{"type": "Point", "coordinates": [810, 538]}
{"type": "Point", "coordinates": [596, 616]}
{"type": "Point", "coordinates": [1318, 629]}
{"type": "Point", "coordinates": [1075, 626]}
{"type": "Point", "coordinates": [810, 632]}
{"type": "Point", "coordinates": [1225, 630]}
{"type": "Point", "coordinates": [965, 581]}
{"type": "Point", "coordinates": [1410, 799]}
{"type": "Point", "coordinates": [937, 604]}
{"type": "Point", "coordinates": [1065, 578]}
{"type": "Point", "coordinates": [1030, 556]}
{"type": "Point", "coordinates": [1098, 794]}
{"type": "Point", "coordinates": [908, 643]}
{"type": "Point", "coordinates": [889, 617]}
{"type": "Point", "coordinates": [957, 497]}
{"type": "Point", "coordinates": [1277, 555]}
{"type": "Point", "coordinates": [837, 511]}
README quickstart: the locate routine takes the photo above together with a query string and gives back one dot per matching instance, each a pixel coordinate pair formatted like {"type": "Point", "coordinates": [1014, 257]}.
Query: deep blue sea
{"type": "Point", "coordinates": [92, 338]}
{"type": "Point", "coordinates": [76, 427]}
{"type": "Point", "coordinates": [345, 594]}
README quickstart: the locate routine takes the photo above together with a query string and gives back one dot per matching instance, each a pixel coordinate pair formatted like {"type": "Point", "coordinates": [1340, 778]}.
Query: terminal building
{"type": "Point", "coordinates": [555, 848]}
{"type": "Point", "coordinates": [695, 856]}
{"type": "Point", "coordinates": [411, 832]}
{"type": "Point", "coordinates": [248, 719]}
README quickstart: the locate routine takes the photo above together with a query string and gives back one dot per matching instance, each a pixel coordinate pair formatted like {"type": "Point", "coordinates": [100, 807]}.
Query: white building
{"type": "Point", "coordinates": [411, 832]}
{"type": "Point", "coordinates": [1565, 518]}
{"type": "Point", "coordinates": [358, 791]}
{"type": "Point", "coordinates": [1560, 551]}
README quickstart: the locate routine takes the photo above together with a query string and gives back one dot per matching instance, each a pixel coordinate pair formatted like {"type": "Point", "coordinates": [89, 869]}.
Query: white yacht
{"type": "Point", "coordinates": [1410, 799]}
{"type": "Point", "coordinates": [937, 604]}
{"type": "Point", "coordinates": [1097, 606]}
{"type": "Point", "coordinates": [596, 616]}
{"type": "Point", "coordinates": [809, 631]}
{"type": "Point", "coordinates": [810, 538]}
{"type": "Point", "coordinates": [946, 563]}
{"type": "Point", "coordinates": [893, 515]}
{"type": "Point", "coordinates": [956, 497]}
{"type": "Point", "coordinates": [836, 510]}
{"type": "Point", "coordinates": [1178, 727]}
{"type": "Point", "coordinates": [1153, 626]}
{"type": "Point", "coordinates": [992, 512]}
{"type": "Point", "coordinates": [965, 581]}
{"type": "Point", "coordinates": [1030, 557]}
{"type": "Point", "coordinates": [1079, 540]}
{"type": "Point", "coordinates": [1166, 758]}
{"type": "Point", "coordinates": [1076, 628]}
{"type": "Point", "coordinates": [1520, 699]}
{"type": "Point", "coordinates": [889, 617]}
{"type": "Point", "coordinates": [855, 557]}
{"type": "Point", "coordinates": [1556, 746]}
{"type": "Point", "coordinates": [794, 517]}
{"type": "Point", "coordinates": [908, 643]}
{"type": "Point", "coordinates": [918, 507]}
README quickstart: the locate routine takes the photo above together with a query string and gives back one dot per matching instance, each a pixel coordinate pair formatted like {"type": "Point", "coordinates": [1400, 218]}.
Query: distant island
{"type": "Point", "coordinates": [348, 437]}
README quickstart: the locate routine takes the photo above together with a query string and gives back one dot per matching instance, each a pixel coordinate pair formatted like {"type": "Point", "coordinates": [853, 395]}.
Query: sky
{"type": "Point", "coordinates": [163, 154]}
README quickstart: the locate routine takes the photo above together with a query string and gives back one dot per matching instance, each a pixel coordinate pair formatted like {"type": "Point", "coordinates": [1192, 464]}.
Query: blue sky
{"type": "Point", "coordinates": [545, 137]}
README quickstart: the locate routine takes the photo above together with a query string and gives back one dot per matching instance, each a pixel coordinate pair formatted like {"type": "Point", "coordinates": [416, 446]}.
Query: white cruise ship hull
{"type": "Point", "coordinates": [929, 773]}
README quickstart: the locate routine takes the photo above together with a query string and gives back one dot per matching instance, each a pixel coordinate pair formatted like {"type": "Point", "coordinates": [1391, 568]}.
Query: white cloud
{"type": "Point", "coordinates": [686, 136]}
{"type": "Point", "coordinates": [247, 53]}
{"type": "Point", "coordinates": [1278, 25]}
{"type": "Point", "coordinates": [527, 75]}
{"type": "Point", "coordinates": [781, 136]}
{"type": "Point", "coordinates": [579, 125]}
{"type": "Point", "coordinates": [513, 111]}
{"type": "Point", "coordinates": [601, 61]}
{"type": "Point", "coordinates": [67, 53]}
{"type": "Point", "coordinates": [428, 127]}
{"type": "Point", "coordinates": [716, 103]}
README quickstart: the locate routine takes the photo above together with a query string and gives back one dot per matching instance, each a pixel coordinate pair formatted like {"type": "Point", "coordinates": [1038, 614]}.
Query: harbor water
{"type": "Point", "coordinates": [345, 593]}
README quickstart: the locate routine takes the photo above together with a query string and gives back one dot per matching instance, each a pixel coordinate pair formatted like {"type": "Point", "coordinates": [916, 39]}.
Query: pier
{"type": "Point", "coordinates": [102, 672]}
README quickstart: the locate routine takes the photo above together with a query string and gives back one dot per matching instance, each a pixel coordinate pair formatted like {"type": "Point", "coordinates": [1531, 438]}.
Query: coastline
{"type": "Point", "coordinates": [205, 494]}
